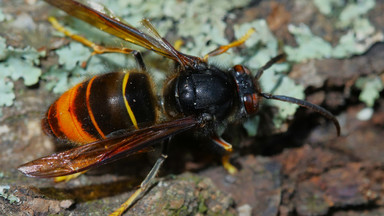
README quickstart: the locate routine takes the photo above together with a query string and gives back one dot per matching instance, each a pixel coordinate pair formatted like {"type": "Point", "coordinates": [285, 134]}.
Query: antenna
{"type": "Point", "coordinates": [299, 102]}
{"type": "Point", "coordinates": [307, 105]}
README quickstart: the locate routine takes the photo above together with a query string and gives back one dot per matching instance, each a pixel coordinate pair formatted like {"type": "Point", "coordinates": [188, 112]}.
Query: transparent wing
{"type": "Point", "coordinates": [125, 31]}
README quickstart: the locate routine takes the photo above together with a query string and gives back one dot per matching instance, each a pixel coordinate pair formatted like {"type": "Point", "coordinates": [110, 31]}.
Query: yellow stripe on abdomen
{"type": "Point", "coordinates": [90, 112]}
{"type": "Point", "coordinates": [129, 110]}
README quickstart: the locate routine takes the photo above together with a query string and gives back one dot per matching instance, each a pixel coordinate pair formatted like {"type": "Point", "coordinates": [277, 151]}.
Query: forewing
{"type": "Point", "coordinates": [97, 153]}
{"type": "Point", "coordinates": [116, 28]}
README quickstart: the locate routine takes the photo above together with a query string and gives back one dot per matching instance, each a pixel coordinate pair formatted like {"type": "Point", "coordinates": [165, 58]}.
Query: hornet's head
{"type": "Point", "coordinates": [250, 94]}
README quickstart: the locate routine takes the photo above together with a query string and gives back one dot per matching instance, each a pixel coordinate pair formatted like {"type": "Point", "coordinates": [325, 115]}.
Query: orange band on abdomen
{"type": "Point", "coordinates": [68, 124]}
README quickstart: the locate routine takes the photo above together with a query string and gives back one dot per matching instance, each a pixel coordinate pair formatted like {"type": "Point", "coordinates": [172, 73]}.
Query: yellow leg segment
{"type": "Point", "coordinates": [127, 203]}
{"type": "Point", "coordinates": [97, 49]}
{"type": "Point", "coordinates": [67, 177]}
{"type": "Point", "coordinates": [227, 164]}
{"type": "Point", "coordinates": [225, 159]}
{"type": "Point", "coordinates": [178, 44]}
{"type": "Point", "coordinates": [143, 187]}
{"type": "Point", "coordinates": [224, 48]}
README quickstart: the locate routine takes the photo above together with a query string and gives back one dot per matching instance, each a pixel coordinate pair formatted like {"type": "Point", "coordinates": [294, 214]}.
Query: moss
{"type": "Point", "coordinates": [202, 207]}
{"type": "Point", "coordinates": [181, 211]}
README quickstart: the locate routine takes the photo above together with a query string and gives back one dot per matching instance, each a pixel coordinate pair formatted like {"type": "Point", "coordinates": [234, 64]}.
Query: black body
{"type": "Point", "coordinates": [208, 90]}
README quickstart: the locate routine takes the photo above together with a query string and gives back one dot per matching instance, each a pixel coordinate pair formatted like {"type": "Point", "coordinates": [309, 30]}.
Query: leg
{"type": "Point", "coordinates": [67, 177]}
{"type": "Point", "coordinates": [97, 49]}
{"type": "Point", "coordinates": [267, 65]}
{"type": "Point", "coordinates": [178, 43]}
{"type": "Point", "coordinates": [144, 184]}
{"type": "Point", "coordinates": [139, 60]}
{"type": "Point", "coordinates": [224, 48]}
{"type": "Point", "coordinates": [225, 159]}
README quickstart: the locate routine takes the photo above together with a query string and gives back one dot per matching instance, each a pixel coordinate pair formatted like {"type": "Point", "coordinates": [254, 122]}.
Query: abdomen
{"type": "Point", "coordinates": [103, 105]}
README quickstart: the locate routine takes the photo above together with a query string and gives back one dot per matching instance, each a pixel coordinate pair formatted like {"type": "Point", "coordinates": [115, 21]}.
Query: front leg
{"type": "Point", "coordinates": [225, 160]}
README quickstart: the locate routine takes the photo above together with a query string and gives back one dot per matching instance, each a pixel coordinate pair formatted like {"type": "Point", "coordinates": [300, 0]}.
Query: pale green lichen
{"type": "Point", "coordinates": [261, 46]}
{"type": "Point", "coordinates": [16, 63]}
{"type": "Point", "coordinates": [360, 34]}
{"type": "Point", "coordinates": [370, 89]}
{"type": "Point", "coordinates": [347, 12]}
{"type": "Point", "coordinates": [20, 63]}
{"type": "Point", "coordinates": [3, 47]}
{"type": "Point", "coordinates": [354, 11]}
{"type": "Point", "coordinates": [6, 93]}
{"type": "Point", "coordinates": [73, 55]}
{"type": "Point", "coordinates": [70, 70]}
{"type": "Point", "coordinates": [356, 41]}
{"type": "Point", "coordinates": [276, 82]}
{"type": "Point", "coordinates": [351, 18]}
{"type": "Point", "coordinates": [11, 198]}
{"type": "Point", "coordinates": [326, 6]}
{"type": "Point", "coordinates": [309, 45]}
{"type": "Point", "coordinates": [4, 16]}
{"type": "Point", "coordinates": [59, 81]}
{"type": "Point", "coordinates": [251, 125]}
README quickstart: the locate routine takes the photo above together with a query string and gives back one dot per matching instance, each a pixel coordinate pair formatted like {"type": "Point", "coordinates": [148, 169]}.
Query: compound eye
{"type": "Point", "coordinates": [251, 103]}
{"type": "Point", "coordinates": [241, 69]}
